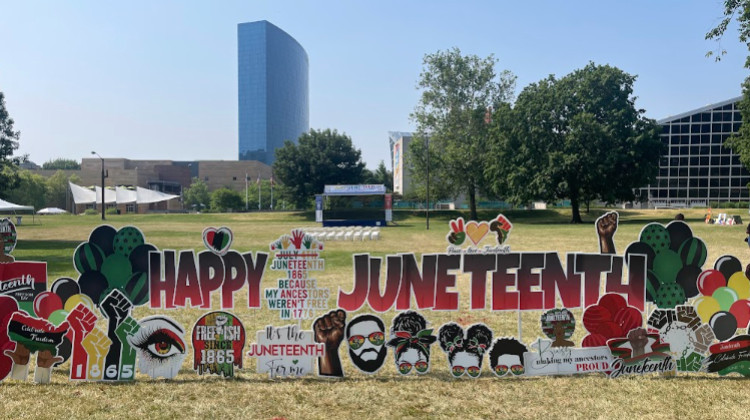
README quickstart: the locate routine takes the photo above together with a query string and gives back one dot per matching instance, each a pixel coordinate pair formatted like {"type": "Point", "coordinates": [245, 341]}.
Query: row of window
{"type": "Point", "coordinates": [703, 171]}
{"type": "Point", "coordinates": [699, 193]}
{"type": "Point", "coordinates": [705, 128]}
{"type": "Point", "coordinates": [700, 182]}
{"type": "Point", "coordinates": [694, 139]}
{"type": "Point", "coordinates": [699, 161]}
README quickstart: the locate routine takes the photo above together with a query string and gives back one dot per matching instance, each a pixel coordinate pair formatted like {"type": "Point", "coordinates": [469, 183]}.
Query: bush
{"type": "Point", "coordinates": [112, 211]}
{"type": "Point", "coordinates": [90, 212]}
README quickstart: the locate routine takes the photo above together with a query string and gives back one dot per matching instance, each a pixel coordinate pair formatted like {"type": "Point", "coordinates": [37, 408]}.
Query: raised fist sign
{"type": "Point", "coordinates": [329, 330]}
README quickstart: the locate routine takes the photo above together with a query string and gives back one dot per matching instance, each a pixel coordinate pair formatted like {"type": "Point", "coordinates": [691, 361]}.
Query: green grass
{"type": "Point", "coordinates": [386, 394]}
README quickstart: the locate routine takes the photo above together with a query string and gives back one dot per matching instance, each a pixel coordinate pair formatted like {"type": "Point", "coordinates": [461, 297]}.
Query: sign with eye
{"type": "Point", "coordinates": [160, 345]}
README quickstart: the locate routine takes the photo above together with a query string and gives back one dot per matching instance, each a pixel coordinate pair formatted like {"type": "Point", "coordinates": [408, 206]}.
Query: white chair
{"type": "Point", "coordinates": [340, 234]}
{"type": "Point", "coordinates": [375, 234]}
{"type": "Point", "coordinates": [357, 235]}
{"type": "Point", "coordinates": [330, 235]}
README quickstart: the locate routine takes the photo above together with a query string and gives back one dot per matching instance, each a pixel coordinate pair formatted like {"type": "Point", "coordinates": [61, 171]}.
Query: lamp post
{"type": "Point", "coordinates": [427, 142]}
{"type": "Point", "coordinates": [97, 154]}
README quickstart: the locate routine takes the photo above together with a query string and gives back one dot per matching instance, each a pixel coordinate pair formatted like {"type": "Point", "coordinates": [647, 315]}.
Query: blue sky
{"type": "Point", "coordinates": [158, 79]}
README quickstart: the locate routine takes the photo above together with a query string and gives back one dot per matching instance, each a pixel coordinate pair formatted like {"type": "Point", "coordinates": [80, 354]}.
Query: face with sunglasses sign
{"type": "Point", "coordinates": [465, 350]}
{"type": "Point", "coordinates": [411, 341]}
{"type": "Point", "coordinates": [365, 335]}
{"type": "Point", "coordinates": [506, 357]}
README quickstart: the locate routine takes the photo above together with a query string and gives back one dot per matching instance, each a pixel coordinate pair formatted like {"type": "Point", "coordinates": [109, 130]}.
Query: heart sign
{"type": "Point", "coordinates": [217, 240]}
{"type": "Point", "coordinates": [476, 231]}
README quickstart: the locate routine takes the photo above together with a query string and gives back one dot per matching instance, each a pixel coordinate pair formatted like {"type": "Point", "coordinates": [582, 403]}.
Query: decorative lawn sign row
{"type": "Point", "coordinates": [88, 320]}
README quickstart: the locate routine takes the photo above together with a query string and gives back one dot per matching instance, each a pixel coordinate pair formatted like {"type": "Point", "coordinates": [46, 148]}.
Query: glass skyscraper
{"type": "Point", "coordinates": [273, 90]}
{"type": "Point", "coordinates": [697, 169]}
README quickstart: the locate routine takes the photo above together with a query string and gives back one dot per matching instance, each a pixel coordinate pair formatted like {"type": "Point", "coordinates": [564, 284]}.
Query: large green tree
{"type": "Point", "coordinates": [226, 200]}
{"type": "Point", "coordinates": [459, 93]}
{"type": "Point", "coordinates": [321, 157]}
{"type": "Point", "coordinates": [579, 137]}
{"type": "Point", "coordinates": [196, 196]}
{"type": "Point", "coordinates": [738, 10]}
{"type": "Point", "coordinates": [61, 163]}
{"type": "Point", "coordinates": [57, 194]}
{"type": "Point", "coordinates": [381, 175]}
{"type": "Point", "coordinates": [9, 178]}
{"type": "Point", "coordinates": [31, 190]}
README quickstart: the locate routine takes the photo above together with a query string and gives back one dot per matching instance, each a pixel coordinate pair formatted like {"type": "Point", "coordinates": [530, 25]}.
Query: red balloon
{"type": "Point", "coordinates": [613, 303]}
{"type": "Point", "coordinates": [710, 280]}
{"type": "Point", "coordinates": [594, 340]}
{"type": "Point", "coordinates": [628, 318]}
{"type": "Point", "coordinates": [741, 310]}
{"type": "Point", "coordinates": [609, 330]}
{"type": "Point", "coordinates": [8, 305]}
{"type": "Point", "coordinates": [594, 316]}
{"type": "Point", "coordinates": [45, 303]}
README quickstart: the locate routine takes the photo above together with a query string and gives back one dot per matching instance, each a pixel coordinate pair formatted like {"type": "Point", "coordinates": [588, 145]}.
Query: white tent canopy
{"type": "Point", "coordinates": [82, 195]}
{"type": "Point", "coordinates": [121, 195]}
{"type": "Point", "coordinates": [8, 206]}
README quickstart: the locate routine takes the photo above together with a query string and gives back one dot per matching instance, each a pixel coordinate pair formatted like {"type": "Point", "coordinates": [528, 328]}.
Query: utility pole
{"type": "Point", "coordinates": [97, 154]}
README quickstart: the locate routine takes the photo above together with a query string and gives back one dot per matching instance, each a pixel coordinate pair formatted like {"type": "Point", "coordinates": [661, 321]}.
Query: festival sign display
{"type": "Point", "coordinates": [465, 350]}
{"type": "Point", "coordinates": [21, 280]}
{"type": "Point", "coordinates": [724, 303]}
{"type": "Point", "coordinates": [507, 357]}
{"type": "Point", "coordinates": [475, 232]}
{"type": "Point", "coordinates": [640, 353]}
{"type": "Point", "coordinates": [689, 338]}
{"type": "Point", "coordinates": [182, 279]}
{"type": "Point", "coordinates": [365, 337]}
{"type": "Point", "coordinates": [218, 340]}
{"type": "Point", "coordinates": [329, 331]}
{"type": "Point", "coordinates": [732, 356]}
{"type": "Point", "coordinates": [33, 335]}
{"type": "Point", "coordinates": [556, 355]}
{"type": "Point", "coordinates": [160, 346]}
{"type": "Point", "coordinates": [411, 341]}
{"type": "Point", "coordinates": [285, 351]}
{"type": "Point", "coordinates": [88, 320]}
{"type": "Point", "coordinates": [297, 296]}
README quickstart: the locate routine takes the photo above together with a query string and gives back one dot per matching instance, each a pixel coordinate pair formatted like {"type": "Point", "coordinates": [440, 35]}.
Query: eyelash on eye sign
{"type": "Point", "coordinates": [159, 331]}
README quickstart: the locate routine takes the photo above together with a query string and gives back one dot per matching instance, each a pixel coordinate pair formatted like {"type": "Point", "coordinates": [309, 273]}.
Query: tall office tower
{"type": "Point", "coordinates": [273, 90]}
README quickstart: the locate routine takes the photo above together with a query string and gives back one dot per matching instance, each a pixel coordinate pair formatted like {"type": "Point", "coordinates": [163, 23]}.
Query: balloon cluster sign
{"type": "Point", "coordinates": [85, 323]}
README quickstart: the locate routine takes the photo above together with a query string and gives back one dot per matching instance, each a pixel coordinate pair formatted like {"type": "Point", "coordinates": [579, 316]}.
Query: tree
{"type": "Point", "coordinates": [8, 144]}
{"type": "Point", "coordinates": [458, 94]}
{"type": "Point", "coordinates": [739, 142]}
{"type": "Point", "coordinates": [226, 200]}
{"type": "Point", "coordinates": [61, 163]}
{"type": "Point", "coordinates": [57, 189]}
{"type": "Point", "coordinates": [321, 157]}
{"type": "Point", "coordinates": [196, 196]}
{"type": "Point", "coordinates": [31, 190]}
{"type": "Point", "coordinates": [381, 175]}
{"type": "Point", "coordinates": [579, 138]}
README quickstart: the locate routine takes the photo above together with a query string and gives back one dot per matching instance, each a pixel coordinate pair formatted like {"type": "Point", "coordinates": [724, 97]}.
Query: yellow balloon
{"type": "Point", "coordinates": [740, 284]}
{"type": "Point", "coordinates": [75, 300]}
{"type": "Point", "coordinates": [706, 307]}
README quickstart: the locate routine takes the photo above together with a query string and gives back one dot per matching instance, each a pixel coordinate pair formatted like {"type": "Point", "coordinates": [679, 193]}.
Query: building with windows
{"type": "Point", "coordinates": [273, 90]}
{"type": "Point", "coordinates": [696, 169]}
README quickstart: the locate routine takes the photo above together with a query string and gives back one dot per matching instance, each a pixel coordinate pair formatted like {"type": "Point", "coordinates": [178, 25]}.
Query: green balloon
{"type": "Point", "coordinates": [117, 269]}
{"type": "Point", "coordinates": [126, 240]}
{"type": "Point", "coordinates": [656, 236]}
{"type": "Point", "coordinates": [666, 266]}
{"type": "Point", "coordinates": [58, 317]}
{"type": "Point", "coordinates": [726, 297]}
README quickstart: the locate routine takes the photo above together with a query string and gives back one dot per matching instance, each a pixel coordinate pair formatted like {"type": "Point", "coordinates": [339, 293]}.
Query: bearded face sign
{"type": "Point", "coordinates": [366, 337]}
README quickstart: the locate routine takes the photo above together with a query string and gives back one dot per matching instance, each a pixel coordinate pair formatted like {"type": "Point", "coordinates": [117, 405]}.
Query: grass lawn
{"type": "Point", "coordinates": [385, 394]}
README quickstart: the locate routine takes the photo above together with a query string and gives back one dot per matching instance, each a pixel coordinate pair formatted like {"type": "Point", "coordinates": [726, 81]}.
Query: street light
{"type": "Point", "coordinates": [97, 154]}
